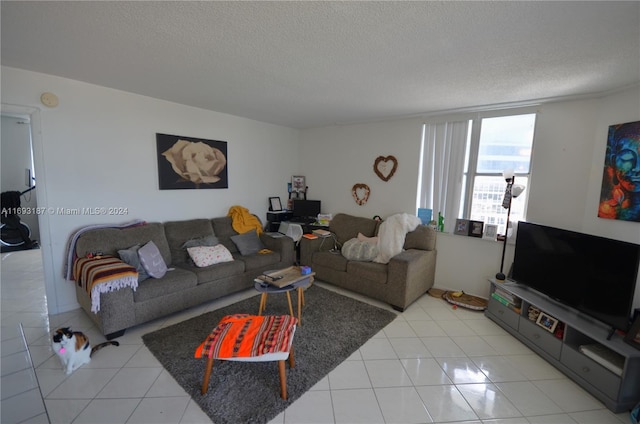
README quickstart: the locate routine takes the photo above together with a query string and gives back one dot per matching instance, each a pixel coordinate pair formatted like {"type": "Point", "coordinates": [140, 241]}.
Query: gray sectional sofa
{"type": "Point", "coordinates": [400, 282]}
{"type": "Point", "coordinates": [184, 285]}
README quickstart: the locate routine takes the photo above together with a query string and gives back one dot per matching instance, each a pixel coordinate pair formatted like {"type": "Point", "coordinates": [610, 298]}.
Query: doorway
{"type": "Point", "coordinates": [18, 171]}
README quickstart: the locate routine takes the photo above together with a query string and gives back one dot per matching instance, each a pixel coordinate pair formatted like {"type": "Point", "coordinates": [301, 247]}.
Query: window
{"type": "Point", "coordinates": [494, 145]}
{"type": "Point", "coordinates": [462, 165]}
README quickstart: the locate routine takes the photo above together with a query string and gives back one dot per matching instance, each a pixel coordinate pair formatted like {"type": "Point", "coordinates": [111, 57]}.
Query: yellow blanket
{"type": "Point", "coordinates": [242, 220]}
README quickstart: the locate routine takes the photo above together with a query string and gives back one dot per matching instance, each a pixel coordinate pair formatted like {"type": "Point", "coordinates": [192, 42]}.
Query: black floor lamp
{"type": "Point", "coordinates": [511, 192]}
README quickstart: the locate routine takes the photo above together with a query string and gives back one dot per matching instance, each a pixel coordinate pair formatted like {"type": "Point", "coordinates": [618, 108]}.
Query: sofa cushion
{"type": "Point", "coordinates": [210, 274]}
{"type": "Point", "coordinates": [202, 241]}
{"type": "Point", "coordinates": [356, 250]}
{"type": "Point", "coordinates": [209, 255]}
{"type": "Point", "coordinates": [346, 227]}
{"type": "Point", "coordinates": [423, 238]}
{"type": "Point", "coordinates": [330, 260]}
{"type": "Point", "coordinates": [110, 240]}
{"type": "Point", "coordinates": [372, 271]}
{"type": "Point", "coordinates": [258, 261]}
{"type": "Point", "coordinates": [130, 256]}
{"type": "Point", "coordinates": [174, 281]}
{"type": "Point", "coordinates": [248, 243]}
{"type": "Point", "coordinates": [180, 233]}
{"type": "Point", "coordinates": [224, 231]}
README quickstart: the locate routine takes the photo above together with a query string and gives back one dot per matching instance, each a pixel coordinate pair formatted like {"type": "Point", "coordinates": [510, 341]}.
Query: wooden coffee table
{"type": "Point", "coordinates": [283, 281]}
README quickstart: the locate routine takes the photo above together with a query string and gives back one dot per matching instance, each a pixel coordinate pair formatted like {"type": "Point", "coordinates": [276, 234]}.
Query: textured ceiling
{"type": "Point", "coordinates": [310, 64]}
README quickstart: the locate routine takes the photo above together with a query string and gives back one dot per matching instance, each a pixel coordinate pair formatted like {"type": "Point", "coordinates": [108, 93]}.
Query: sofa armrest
{"type": "Point", "coordinates": [284, 245]}
{"type": "Point", "coordinates": [414, 271]}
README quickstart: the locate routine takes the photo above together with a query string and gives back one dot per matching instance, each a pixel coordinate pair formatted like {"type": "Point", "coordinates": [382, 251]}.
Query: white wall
{"type": "Point", "coordinates": [98, 149]}
{"type": "Point", "coordinates": [336, 158]}
{"type": "Point", "coordinates": [563, 191]}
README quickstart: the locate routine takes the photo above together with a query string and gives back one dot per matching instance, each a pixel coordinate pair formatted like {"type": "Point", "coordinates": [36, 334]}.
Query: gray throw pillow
{"type": "Point", "coordinates": [152, 260]}
{"type": "Point", "coordinates": [202, 241]}
{"type": "Point", "coordinates": [130, 256]}
{"type": "Point", "coordinates": [248, 243]}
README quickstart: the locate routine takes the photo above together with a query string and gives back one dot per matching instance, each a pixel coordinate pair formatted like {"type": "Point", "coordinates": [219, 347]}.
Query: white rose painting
{"type": "Point", "coordinates": [187, 163]}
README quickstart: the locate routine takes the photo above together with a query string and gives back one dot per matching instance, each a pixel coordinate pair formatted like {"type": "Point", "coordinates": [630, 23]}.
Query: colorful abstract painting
{"type": "Point", "coordinates": [620, 193]}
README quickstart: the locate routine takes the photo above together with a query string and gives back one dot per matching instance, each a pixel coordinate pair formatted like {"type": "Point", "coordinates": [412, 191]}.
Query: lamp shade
{"type": "Point", "coordinates": [517, 190]}
{"type": "Point", "coordinates": [508, 174]}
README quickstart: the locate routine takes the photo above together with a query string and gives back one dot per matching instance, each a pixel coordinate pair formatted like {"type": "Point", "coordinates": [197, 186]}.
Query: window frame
{"type": "Point", "coordinates": [470, 172]}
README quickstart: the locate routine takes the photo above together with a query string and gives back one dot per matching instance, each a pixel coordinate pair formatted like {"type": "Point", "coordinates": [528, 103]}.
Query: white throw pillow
{"type": "Point", "coordinates": [208, 255]}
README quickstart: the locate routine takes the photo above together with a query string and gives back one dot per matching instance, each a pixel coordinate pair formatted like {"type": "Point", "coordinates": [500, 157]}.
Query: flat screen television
{"type": "Point", "coordinates": [306, 209]}
{"type": "Point", "coordinates": [594, 275]}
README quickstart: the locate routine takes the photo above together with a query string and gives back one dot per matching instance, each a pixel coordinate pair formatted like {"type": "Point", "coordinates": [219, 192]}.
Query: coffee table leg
{"type": "Point", "coordinates": [300, 303]}
{"type": "Point", "coordinates": [263, 303]}
{"type": "Point", "coordinates": [290, 305]}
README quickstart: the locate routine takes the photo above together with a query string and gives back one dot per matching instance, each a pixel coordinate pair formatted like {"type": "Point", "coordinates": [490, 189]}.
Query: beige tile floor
{"type": "Point", "coordinates": [432, 364]}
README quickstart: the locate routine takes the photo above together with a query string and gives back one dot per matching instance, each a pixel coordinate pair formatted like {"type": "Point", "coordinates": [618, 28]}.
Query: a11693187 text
{"type": "Point", "coordinates": [101, 210]}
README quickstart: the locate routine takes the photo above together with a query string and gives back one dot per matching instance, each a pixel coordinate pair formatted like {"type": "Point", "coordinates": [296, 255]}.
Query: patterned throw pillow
{"type": "Point", "coordinates": [152, 260]}
{"type": "Point", "coordinates": [208, 255]}
{"type": "Point", "coordinates": [357, 250]}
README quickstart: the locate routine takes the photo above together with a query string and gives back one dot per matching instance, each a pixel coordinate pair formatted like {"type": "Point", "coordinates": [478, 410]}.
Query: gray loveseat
{"type": "Point", "coordinates": [185, 285]}
{"type": "Point", "coordinates": [404, 279]}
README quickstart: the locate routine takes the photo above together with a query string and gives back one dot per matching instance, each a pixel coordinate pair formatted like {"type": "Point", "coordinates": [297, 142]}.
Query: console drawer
{"type": "Point", "coordinates": [540, 337]}
{"type": "Point", "coordinates": [503, 313]}
{"type": "Point", "coordinates": [588, 369]}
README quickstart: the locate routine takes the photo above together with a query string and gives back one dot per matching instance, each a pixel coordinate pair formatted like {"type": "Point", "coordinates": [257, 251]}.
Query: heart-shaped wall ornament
{"type": "Point", "coordinates": [385, 167]}
{"type": "Point", "coordinates": [360, 193]}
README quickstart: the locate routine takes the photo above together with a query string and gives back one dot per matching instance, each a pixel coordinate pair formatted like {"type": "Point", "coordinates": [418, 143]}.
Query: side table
{"type": "Point", "coordinates": [265, 289]}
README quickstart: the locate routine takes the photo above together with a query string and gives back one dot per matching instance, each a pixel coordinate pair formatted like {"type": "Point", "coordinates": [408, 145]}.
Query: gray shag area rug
{"type": "Point", "coordinates": [333, 327]}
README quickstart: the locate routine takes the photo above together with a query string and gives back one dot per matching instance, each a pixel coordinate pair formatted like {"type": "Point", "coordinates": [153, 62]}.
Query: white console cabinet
{"type": "Point", "coordinates": [618, 390]}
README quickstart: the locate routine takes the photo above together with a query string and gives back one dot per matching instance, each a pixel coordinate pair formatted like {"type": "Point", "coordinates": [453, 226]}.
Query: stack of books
{"type": "Point", "coordinates": [509, 300]}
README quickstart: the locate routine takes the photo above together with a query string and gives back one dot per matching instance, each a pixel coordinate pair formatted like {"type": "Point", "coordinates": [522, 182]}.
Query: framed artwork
{"type": "Point", "coordinates": [547, 322]}
{"type": "Point", "coordinates": [475, 228]}
{"type": "Point", "coordinates": [298, 184]}
{"type": "Point", "coordinates": [619, 194]}
{"type": "Point", "coordinates": [191, 163]}
{"type": "Point", "coordinates": [274, 204]}
{"type": "Point", "coordinates": [462, 227]}
{"type": "Point", "coordinates": [490, 232]}
{"type": "Point", "coordinates": [633, 336]}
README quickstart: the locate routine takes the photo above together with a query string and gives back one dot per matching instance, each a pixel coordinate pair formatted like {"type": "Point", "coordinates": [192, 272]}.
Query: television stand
{"type": "Point", "coordinates": [608, 370]}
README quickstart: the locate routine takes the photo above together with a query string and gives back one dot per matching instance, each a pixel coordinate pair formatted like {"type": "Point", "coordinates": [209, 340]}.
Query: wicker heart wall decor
{"type": "Point", "coordinates": [385, 167]}
{"type": "Point", "coordinates": [360, 193]}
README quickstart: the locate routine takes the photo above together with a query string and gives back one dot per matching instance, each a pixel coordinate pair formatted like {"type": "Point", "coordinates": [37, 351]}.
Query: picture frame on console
{"type": "Point", "coordinates": [490, 232]}
{"type": "Point", "coordinates": [475, 228]}
{"type": "Point", "coordinates": [547, 322]}
{"type": "Point", "coordinates": [274, 204]}
{"type": "Point", "coordinates": [462, 227]}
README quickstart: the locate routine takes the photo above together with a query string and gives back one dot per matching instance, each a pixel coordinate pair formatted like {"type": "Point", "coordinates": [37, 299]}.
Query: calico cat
{"type": "Point", "coordinates": [73, 348]}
